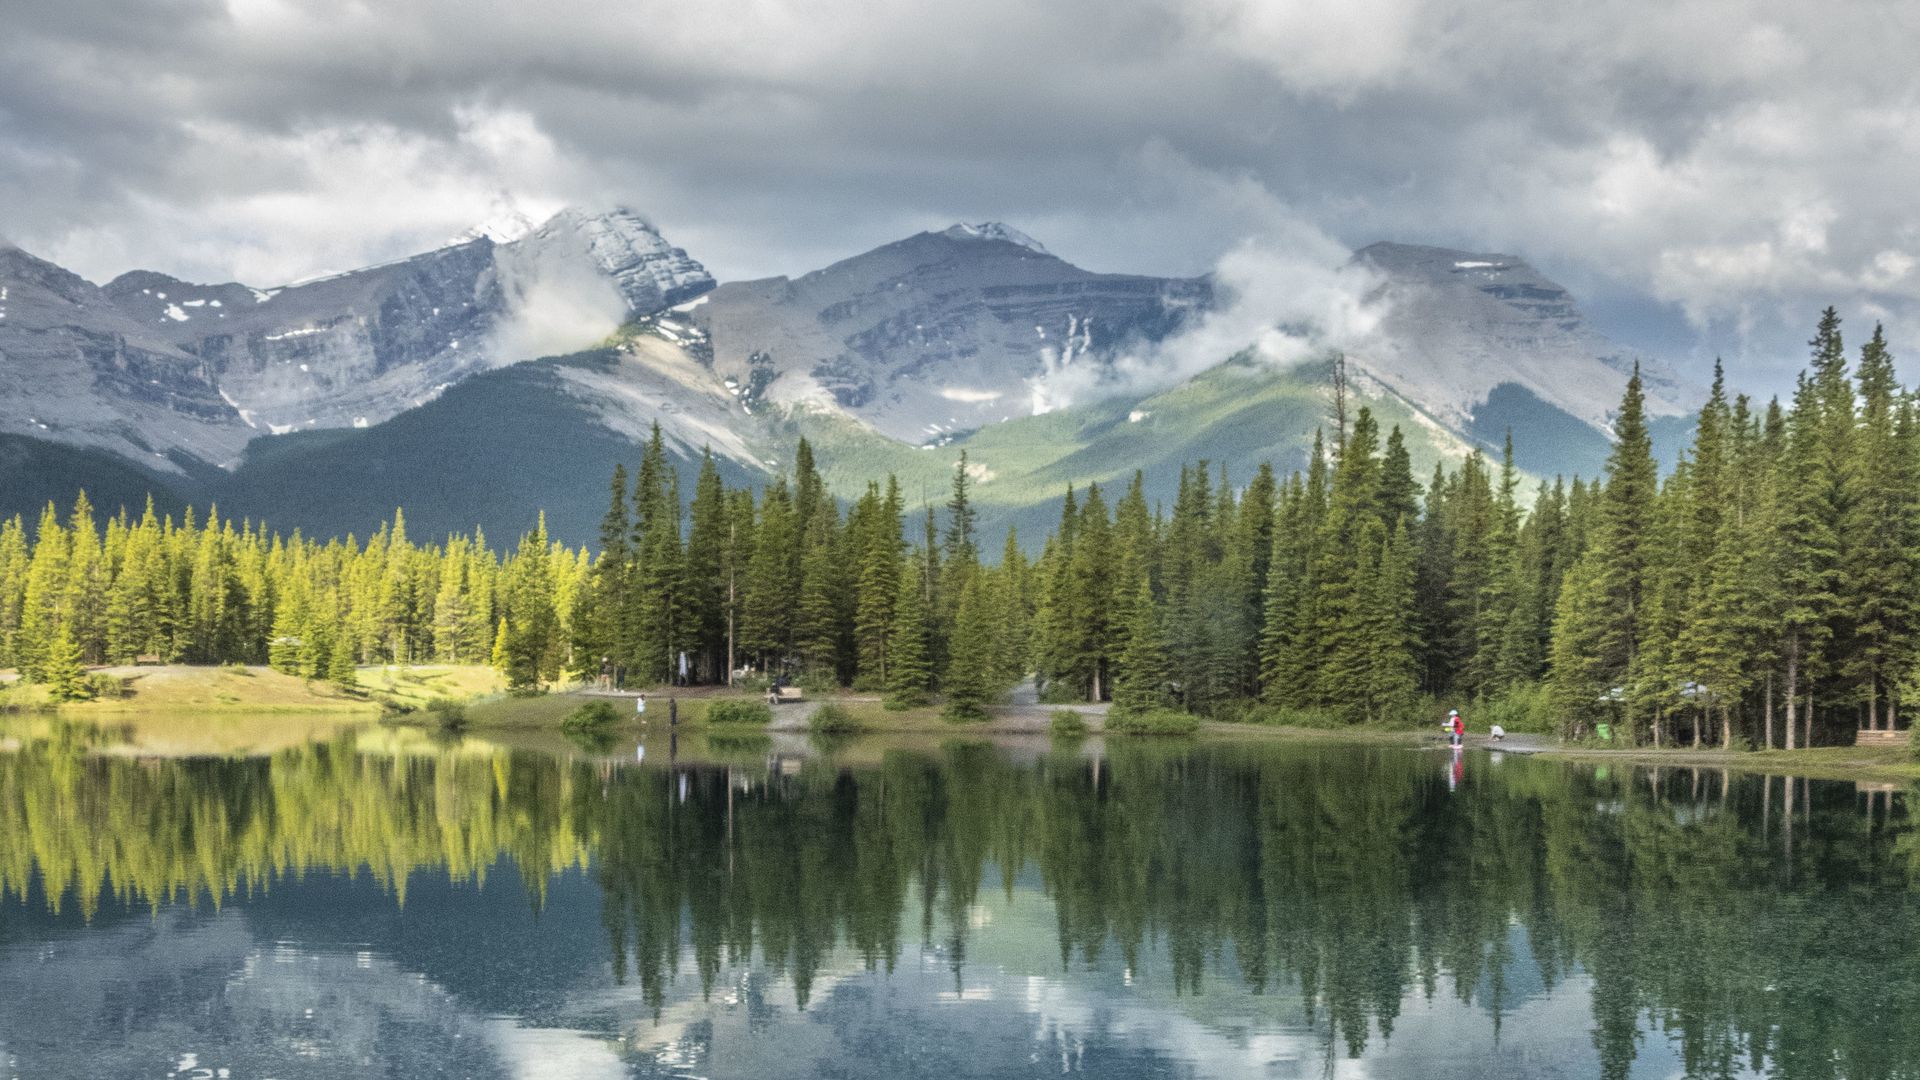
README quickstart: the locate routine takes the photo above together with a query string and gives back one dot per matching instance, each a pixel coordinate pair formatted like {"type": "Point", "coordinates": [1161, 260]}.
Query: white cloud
{"type": "Point", "coordinates": [1744, 161]}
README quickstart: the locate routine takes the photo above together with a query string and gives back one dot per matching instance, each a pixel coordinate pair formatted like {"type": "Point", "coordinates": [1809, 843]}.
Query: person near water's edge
{"type": "Point", "coordinates": [1456, 728]}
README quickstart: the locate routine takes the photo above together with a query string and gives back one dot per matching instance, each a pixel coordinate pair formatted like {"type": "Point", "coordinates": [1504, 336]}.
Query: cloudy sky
{"type": "Point", "coordinates": [1705, 173]}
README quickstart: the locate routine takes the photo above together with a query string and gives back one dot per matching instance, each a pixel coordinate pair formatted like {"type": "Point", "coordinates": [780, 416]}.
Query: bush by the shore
{"type": "Point", "coordinates": [592, 716]}
{"type": "Point", "coordinates": [1067, 722]}
{"type": "Point", "coordinates": [831, 719]}
{"type": "Point", "coordinates": [1153, 722]}
{"type": "Point", "coordinates": [739, 711]}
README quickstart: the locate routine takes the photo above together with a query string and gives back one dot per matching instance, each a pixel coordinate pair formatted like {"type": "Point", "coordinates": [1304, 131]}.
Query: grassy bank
{"type": "Point", "coordinates": [253, 690]}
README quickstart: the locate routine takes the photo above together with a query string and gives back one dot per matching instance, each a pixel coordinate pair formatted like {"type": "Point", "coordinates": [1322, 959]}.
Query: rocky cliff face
{"type": "Point", "coordinates": [347, 350]}
{"type": "Point", "coordinates": [937, 334]}
{"type": "Point", "coordinates": [75, 368]}
{"type": "Point", "coordinates": [1459, 324]}
{"type": "Point", "coordinates": [115, 366]}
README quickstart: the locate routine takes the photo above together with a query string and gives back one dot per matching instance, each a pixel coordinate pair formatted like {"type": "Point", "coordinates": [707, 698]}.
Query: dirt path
{"type": "Point", "coordinates": [1024, 713]}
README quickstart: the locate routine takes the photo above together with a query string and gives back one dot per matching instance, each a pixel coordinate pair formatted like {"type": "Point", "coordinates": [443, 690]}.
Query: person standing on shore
{"type": "Point", "coordinates": [1457, 727]}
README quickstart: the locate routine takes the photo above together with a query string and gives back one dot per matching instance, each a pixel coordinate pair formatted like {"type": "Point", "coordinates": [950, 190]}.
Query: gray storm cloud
{"type": "Point", "coordinates": [1724, 166]}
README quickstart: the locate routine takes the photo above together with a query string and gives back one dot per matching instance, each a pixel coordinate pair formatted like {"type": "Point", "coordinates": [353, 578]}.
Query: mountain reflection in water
{"type": "Point", "coordinates": [461, 909]}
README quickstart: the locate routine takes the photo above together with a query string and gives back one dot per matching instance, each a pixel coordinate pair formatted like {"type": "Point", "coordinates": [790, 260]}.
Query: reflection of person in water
{"type": "Point", "coordinates": [1457, 772]}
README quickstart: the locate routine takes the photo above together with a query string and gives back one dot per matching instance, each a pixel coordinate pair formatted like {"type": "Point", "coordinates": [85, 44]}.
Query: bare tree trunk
{"type": "Point", "coordinates": [1793, 690]}
{"type": "Point", "coordinates": [1768, 745]}
{"type": "Point", "coordinates": [1726, 728]}
{"type": "Point", "coordinates": [1807, 742]}
{"type": "Point", "coordinates": [1340, 404]}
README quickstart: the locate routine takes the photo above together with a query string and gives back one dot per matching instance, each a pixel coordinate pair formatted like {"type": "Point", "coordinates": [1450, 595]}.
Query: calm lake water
{"type": "Point", "coordinates": [403, 907]}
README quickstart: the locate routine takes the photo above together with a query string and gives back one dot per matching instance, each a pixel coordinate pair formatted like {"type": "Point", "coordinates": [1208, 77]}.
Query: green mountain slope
{"type": "Point", "coordinates": [1236, 415]}
{"type": "Point", "coordinates": [491, 452]}
{"type": "Point", "coordinates": [34, 472]}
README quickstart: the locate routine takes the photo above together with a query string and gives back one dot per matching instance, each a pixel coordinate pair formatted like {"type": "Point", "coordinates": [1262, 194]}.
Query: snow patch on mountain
{"type": "Point", "coordinates": [994, 230]}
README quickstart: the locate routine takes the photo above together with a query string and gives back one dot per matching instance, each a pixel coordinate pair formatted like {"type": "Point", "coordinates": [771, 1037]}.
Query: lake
{"type": "Point", "coordinates": [384, 903]}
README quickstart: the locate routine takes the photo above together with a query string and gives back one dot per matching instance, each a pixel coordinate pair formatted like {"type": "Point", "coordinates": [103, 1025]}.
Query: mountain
{"type": "Point", "coordinates": [80, 371]}
{"type": "Point", "coordinates": [1462, 328]}
{"type": "Point", "coordinates": [932, 336]}
{"type": "Point", "coordinates": [404, 384]}
{"type": "Point", "coordinates": [152, 365]}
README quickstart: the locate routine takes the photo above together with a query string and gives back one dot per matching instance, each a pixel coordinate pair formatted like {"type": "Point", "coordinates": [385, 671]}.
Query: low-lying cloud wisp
{"type": "Point", "coordinates": [1283, 300]}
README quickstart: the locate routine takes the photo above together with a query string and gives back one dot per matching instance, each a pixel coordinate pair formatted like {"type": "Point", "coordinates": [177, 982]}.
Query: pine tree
{"type": "Point", "coordinates": [61, 669]}
{"type": "Point", "coordinates": [878, 543]}
{"type": "Point", "coordinates": [341, 666]}
{"type": "Point", "coordinates": [1141, 683]}
{"type": "Point", "coordinates": [766, 621]}
{"type": "Point", "coordinates": [532, 627]}
{"type": "Point", "coordinates": [910, 667]}
{"type": "Point", "coordinates": [969, 684]}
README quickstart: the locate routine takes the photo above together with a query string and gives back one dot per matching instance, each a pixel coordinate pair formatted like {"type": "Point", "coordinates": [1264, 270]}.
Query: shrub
{"type": "Point", "coordinates": [592, 716]}
{"type": "Point", "coordinates": [1067, 722]}
{"type": "Point", "coordinates": [1153, 722]}
{"type": "Point", "coordinates": [833, 720]}
{"type": "Point", "coordinates": [1526, 707]}
{"type": "Point", "coordinates": [449, 713]}
{"type": "Point", "coordinates": [739, 711]}
{"type": "Point", "coordinates": [110, 687]}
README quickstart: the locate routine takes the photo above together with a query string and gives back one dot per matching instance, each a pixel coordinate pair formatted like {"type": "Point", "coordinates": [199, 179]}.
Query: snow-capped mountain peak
{"type": "Point", "coordinates": [994, 230]}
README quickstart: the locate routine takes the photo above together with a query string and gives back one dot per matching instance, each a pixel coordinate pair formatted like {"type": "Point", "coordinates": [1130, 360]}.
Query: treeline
{"type": "Point", "coordinates": [217, 591]}
{"type": "Point", "coordinates": [1767, 591]}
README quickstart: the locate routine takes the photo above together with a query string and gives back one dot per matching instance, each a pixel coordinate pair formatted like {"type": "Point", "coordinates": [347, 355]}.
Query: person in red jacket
{"type": "Point", "coordinates": [1457, 727]}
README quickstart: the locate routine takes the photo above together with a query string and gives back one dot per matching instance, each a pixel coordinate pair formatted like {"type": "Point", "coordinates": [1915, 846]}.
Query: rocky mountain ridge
{"type": "Point", "coordinates": [943, 339]}
{"type": "Point", "coordinates": [155, 366]}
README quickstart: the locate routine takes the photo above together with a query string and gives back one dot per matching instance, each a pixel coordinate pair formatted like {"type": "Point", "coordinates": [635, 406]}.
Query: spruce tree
{"type": "Point", "coordinates": [969, 684]}
{"type": "Point", "coordinates": [910, 668]}
{"type": "Point", "coordinates": [1143, 679]}
{"type": "Point", "coordinates": [61, 669]}
{"type": "Point", "coordinates": [341, 666]}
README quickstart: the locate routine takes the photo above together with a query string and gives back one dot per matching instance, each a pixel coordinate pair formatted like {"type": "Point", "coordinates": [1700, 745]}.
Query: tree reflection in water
{"type": "Point", "coordinates": [1766, 923]}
